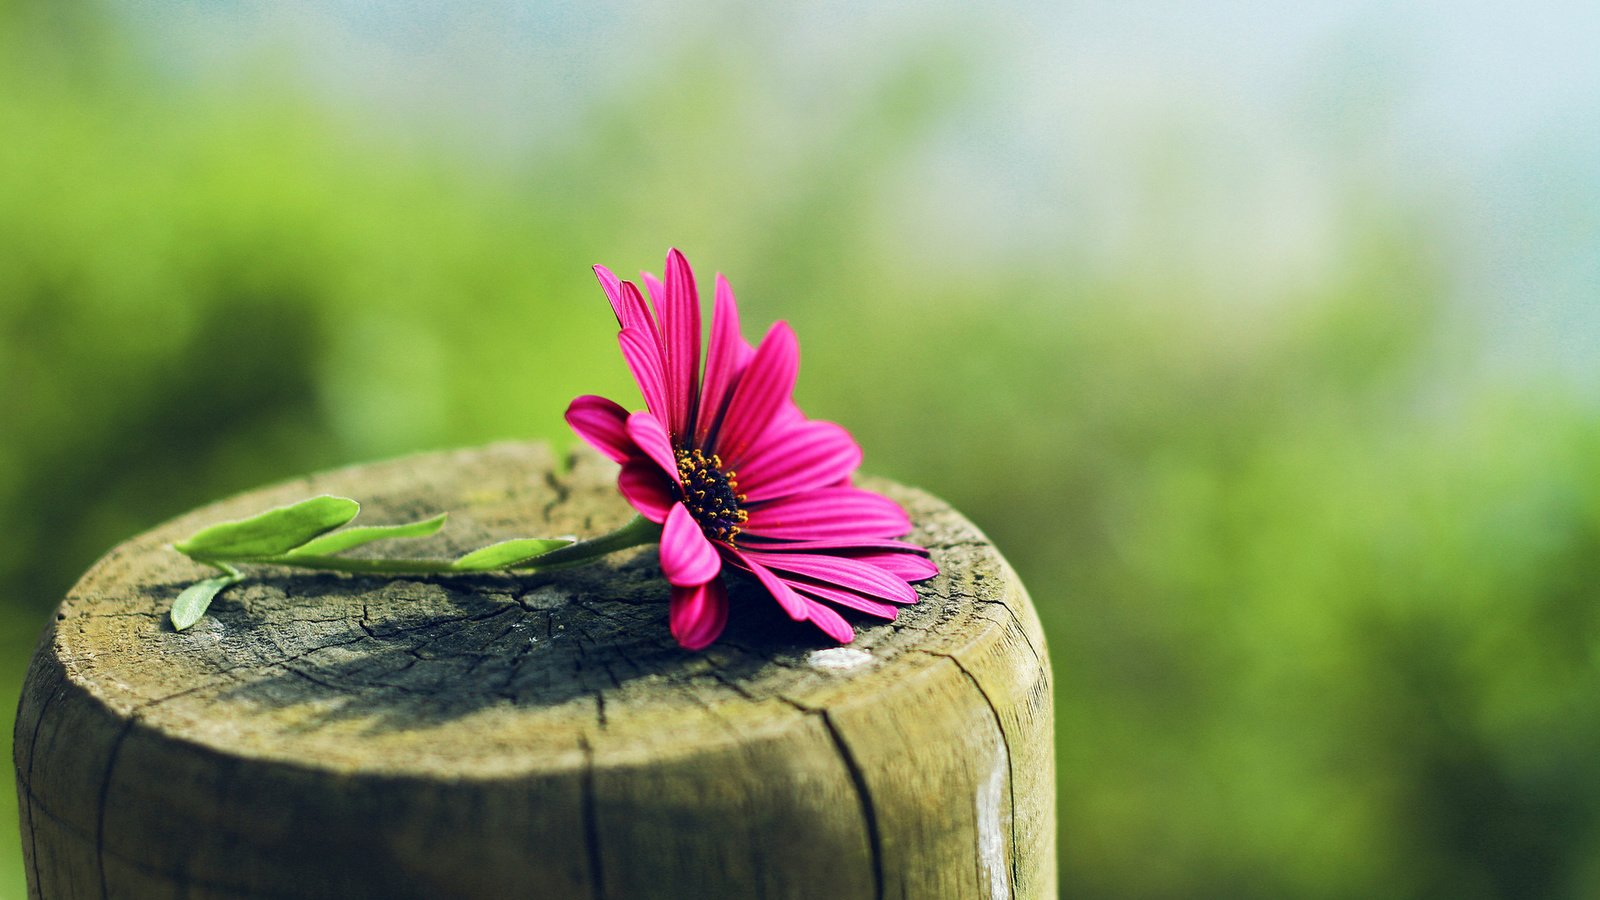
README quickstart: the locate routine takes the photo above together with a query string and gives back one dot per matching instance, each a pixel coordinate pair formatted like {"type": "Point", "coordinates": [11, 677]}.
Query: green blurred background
{"type": "Point", "coordinates": [1262, 340]}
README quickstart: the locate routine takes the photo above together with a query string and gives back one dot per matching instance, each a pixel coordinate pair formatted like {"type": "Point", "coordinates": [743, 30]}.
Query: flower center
{"type": "Point", "coordinates": [711, 494]}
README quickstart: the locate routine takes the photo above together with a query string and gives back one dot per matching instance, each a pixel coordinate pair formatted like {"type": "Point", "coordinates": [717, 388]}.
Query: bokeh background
{"type": "Point", "coordinates": [1263, 338]}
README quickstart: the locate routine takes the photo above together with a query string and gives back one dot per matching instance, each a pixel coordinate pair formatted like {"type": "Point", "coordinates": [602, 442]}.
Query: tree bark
{"type": "Point", "coordinates": [321, 735]}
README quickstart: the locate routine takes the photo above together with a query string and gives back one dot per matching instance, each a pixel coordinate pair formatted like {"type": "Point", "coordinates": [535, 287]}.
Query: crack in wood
{"type": "Point", "coordinates": [869, 812]}
{"type": "Point", "coordinates": [184, 883]}
{"type": "Point", "coordinates": [591, 824]}
{"type": "Point", "coordinates": [100, 812]}
{"type": "Point", "coordinates": [134, 715]}
{"type": "Point", "coordinates": [557, 486]}
{"type": "Point", "coordinates": [1005, 743]}
{"type": "Point", "coordinates": [33, 756]}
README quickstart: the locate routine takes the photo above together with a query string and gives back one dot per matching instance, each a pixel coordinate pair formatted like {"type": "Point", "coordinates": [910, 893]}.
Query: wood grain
{"type": "Point", "coordinates": [498, 736]}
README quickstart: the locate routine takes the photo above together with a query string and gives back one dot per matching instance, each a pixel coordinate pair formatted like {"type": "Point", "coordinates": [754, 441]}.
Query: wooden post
{"type": "Point", "coordinates": [497, 736]}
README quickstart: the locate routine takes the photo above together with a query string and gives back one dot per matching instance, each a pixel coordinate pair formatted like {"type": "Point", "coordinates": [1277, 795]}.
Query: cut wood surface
{"type": "Point", "coordinates": [323, 735]}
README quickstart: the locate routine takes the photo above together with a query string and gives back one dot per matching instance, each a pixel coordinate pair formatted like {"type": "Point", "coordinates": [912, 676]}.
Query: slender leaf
{"type": "Point", "coordinates": [197, 597]}
{"type": "Point", "coordinates": [507, 553]}
{"type": "Point", "coordinates": [348, 538]}
{"type": "Point", "coordinates": [273, 532]}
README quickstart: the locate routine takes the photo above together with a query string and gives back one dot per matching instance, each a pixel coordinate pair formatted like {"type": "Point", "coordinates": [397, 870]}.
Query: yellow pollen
{"type": "Point", "coordinates": [711, 494]}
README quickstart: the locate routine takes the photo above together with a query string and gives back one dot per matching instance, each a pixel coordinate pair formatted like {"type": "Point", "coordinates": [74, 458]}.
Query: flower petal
{"type": "Point", "coordinates": [829, 621]}
{"type": "Point", "coordinates": [651, 438]}
{"type": "Point", "coordinates": [906, 565]}
{"type": "Point", "coordinates": [643, 485]}
{"type": "Point", "coordinates": [844, 597]}
{"type": "Point", "coordinates": [642, 352]}
{"type": "Point", "coordinates": [680, 328]}
{"type": "Point", "coordinates": [763, 389]}
{"type": "Point", "coordinates": [726, 358]}
{"type": "Point", "coordinates": [792, 603]}
{"type": "Point", "coordinates": [653, 287]}
{"type": "Point", "coordinates": [698, 614]}
{"type": "Point", "coordinates": [788, 418]}
{"type": "Point", "coordinates": [828, 513]}
{"type": "Point", "coordinates": [888, 544]}
{"type": "Point", "coordinates": [602, 423]}
{"type": "Point", "coordinates": [839, 570]}
{"type": "Point", "coordinates": [813, 455]}
{"type": "Point", "coordinates": [687, 558]}
{"type": "Point", "coordinates": [626, 304]}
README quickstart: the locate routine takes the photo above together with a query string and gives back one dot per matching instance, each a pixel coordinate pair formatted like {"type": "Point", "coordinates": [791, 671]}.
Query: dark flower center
{"type": "Point", "coordinates": [711, 494]}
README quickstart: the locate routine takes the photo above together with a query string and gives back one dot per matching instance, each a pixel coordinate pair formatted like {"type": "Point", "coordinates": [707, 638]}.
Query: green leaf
{"type": "Point", "coordinates": [197, 597]}
{"type": "Point", "coordinates": [345, 539]}
{"type": "Point", "coordinates": [507, 553]}
{"type": "Point", "coordinates": [273, 532]}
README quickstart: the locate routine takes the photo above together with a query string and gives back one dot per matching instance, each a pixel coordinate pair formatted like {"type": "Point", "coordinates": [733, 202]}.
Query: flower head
{"type": "Point", "coordinates": [735, 474]}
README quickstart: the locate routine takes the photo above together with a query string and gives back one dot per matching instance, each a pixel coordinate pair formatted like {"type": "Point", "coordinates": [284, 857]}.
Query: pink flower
{"type": "Point", "coordinates": [736, 475]}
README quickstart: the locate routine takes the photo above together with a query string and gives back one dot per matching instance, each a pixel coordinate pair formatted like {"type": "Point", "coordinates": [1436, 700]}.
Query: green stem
{"type": "Point", "coordinates": [357, 565]}
{"type": "Point", "coordinates": [229, 573]}
{"type": "Point", "coordinates": [637, 532]}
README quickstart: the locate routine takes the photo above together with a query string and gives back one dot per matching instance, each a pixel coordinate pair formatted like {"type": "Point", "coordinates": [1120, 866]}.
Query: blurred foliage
{"type": "Point", "coordinates": [1320, 598]}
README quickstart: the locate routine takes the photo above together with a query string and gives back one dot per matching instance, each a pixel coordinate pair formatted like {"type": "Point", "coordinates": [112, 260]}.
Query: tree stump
{"type": "Point", "coordinates": [502, 736]}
